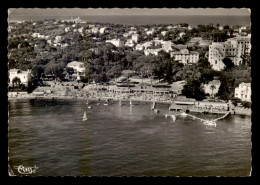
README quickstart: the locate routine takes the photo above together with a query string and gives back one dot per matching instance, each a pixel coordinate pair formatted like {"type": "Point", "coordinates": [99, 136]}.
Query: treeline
{"type": "Point", "coordinates": [104, 61]}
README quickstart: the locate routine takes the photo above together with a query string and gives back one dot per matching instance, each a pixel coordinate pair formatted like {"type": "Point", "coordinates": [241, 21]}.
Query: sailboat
{"type": "Point", "coordinates": [87, 102]}
{"type": "Point", "coordinates": [173, 117]}
{"type": "Point", "coordinates": [131, 103]}
{"type": "Point", "coordinates": [153, 106]}
{"type": "Point", "coordinates": [210, 122]}
{"type": "Point", "coordinates": [85, 116]}
{"type": "Point", "coordinates": [156, 111]}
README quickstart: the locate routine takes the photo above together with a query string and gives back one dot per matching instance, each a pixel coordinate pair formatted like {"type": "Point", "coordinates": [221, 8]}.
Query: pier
{"type": "Point", "coordinates": [203, 120]}
{"type": "Point", "coordinates": [214, 120]}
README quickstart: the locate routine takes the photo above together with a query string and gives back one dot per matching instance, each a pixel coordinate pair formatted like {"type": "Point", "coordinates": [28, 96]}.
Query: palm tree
{"type": "Point", "coordinates": [212, 87]}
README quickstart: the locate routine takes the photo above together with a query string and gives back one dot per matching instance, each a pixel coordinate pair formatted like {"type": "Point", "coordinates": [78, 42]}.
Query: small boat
{"type": "Point", "coordinates": [209, 122]}
{"type": "Point", "coordinates": [153, 106]}
{"type": "Point", "coordinates": [87, 102]}
{"type": "Point", "coordinates": [89, 107]}
{"type": "Point", "coordinates": [85, 116]}
{"type": "Point", "coordinates": [165, 115]}
{"type": "Point", "coordinates": [183, 114]}
{"type": "Point", "coordinates": [156, 111]}
{"type": "Point", "coordinates": [98, 103]}
{"type": "Point", "coordinates": [131, 103]}
{"type": "Point", "coordinates": [106, 104]}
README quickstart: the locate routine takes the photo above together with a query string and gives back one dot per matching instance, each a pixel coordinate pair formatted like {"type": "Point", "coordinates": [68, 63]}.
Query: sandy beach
{"type": "Point", "coordinates": [243, 111]}
{"type": "Point", "coordinates": [238, 110]}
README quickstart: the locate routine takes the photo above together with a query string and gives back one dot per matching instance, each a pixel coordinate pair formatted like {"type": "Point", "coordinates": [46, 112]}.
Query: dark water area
{"type": "Point", "coordinates": [123, 141]}
{"type": "Point", "coordinates": [151, 19]}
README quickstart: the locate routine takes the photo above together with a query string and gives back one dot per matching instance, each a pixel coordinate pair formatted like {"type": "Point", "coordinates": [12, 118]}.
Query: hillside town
{"type": "Point", "coordinates": [166, 63]}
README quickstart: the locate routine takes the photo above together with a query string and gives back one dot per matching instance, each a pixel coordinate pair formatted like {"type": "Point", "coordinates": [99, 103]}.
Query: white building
{"type": "Point", "coordinates": [94, 30]}
{"type": "Point", "coordinates": [233, 48]}
{"type": "Point", "coordinates": [64, 45]}
{"type": "Point", "coordinates": [212, 87]}
{"type": "Point", "coordinates": [91, 25]}
{"type": "Point", "coordinates": [167, 46]}
{"type": "Point", "coordinates": [126, 34]}
{"type": "Point", "coordinates": [181, 34]}
{"type": "Point", "coordinates": [242, 28]}
{"type": "Point", "coordinates": [163, 33]}
{"type": "Point", "coordinates": [150, 32]}
{"type": "Point", "coordinates": [152, 51]}
{"type": "Point", "coordinates": [36, 35]}
{"type": "Point", "coordinates": [79, 69]}
{"type": "Point", "coordinates": [185, 56]}
{"type": "Point", "coordinates": [129, 43]}
{"type": "Point", "coordinates": [243, 92]}
{"type": "Point", "coordinates": [24, 76]}
{"type": "Point", "coordinates": [80, 30]}
{"type": "Point", "coordinates": [169, 27]}
{"type": "Point", "coordinates": [116, 42]}
{"type": "Point", "coordinates": [67, 29]}
{"type": "Point", "coordinates": [135, 38]}
{"type": "Point", "coordinates": [57, 39]}
{"type": "Point", "coordinates": [102, 30]}
{"type": "Point", "coordinates": [143, 46]}
{"type": "Point", "coordinates": [132, 32]}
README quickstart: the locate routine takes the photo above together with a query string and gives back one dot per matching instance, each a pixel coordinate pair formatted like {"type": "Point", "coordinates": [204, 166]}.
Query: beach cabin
{"type": "Point", "coordinates": [174, 107]}
{"type": "Point", "coordinates": [210, 107]}
{"type": "Point", "coordinates": [38, 94]}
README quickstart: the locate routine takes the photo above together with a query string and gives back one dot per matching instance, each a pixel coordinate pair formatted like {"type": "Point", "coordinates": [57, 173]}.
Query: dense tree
{"type": "Point", "coordinates": [246, 104]}
{"type": "Point", "coordinates": [212, 88]}
{"type": "Point", "coordinates": [228, 63]}
{"type": "Point", "coordinates": [16, 82]}
{"type": "Point", "coordinates": [193, 89]}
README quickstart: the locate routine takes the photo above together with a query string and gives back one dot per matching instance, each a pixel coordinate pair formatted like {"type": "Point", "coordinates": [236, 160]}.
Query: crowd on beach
{"type": "Point", "coordinates": [142, 96]}
{"type": "Point", "coordinates": [216, 109]}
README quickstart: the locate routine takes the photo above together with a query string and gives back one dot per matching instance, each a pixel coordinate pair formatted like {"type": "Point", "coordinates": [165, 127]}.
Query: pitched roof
{"type": "Point", "coordinates": [13, 70]}
{"type": "Point", "coordinates": [74, 63]}
{"type": "Point", "coordinates": [246, 84]}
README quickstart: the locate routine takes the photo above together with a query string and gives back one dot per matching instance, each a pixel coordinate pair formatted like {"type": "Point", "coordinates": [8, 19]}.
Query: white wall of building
{"type": "Point", "coordinates": [243, 92]}
{"type": "Point", "coordinates": [233, 48]}
{"type": "Point", "coordinates": [24, 76]}
{"type": "Point", "coordinates": [78, 67]}
{"type": "Point", "coordinates": [186, 57]}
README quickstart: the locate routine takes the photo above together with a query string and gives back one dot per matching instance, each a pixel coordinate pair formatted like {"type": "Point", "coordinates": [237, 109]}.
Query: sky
{"type": "Point", "coordinates": [126, 11]}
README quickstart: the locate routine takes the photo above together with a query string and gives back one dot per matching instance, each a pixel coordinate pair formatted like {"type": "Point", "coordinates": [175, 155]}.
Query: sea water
{"type": "Point", "coordinates": [123, 140]}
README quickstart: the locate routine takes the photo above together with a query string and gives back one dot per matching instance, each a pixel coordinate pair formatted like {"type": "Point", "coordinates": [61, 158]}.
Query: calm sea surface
{"type": "Point", "coordinates": [153, 19]}
{"type": "Point", "coordinates": [117, 141]}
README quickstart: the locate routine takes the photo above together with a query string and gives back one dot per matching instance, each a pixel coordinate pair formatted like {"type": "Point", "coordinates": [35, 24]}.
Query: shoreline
{"type": "Point", "coordinates": [237, 110]}
{"type": "Point", "coordinates": [84, 98]}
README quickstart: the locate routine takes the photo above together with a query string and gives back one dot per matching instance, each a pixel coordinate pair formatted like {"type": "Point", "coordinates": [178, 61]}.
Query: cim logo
{"type": "Point", "coordinates": [25, 170]}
